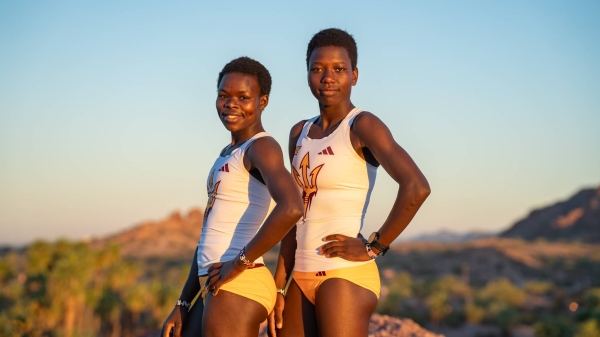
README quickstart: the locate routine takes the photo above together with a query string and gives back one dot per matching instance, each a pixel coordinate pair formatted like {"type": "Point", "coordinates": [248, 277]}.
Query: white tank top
{"type": "Point", "coordinates": [238, 204]}
{"type": "Point", "coordinates": [336, 185]}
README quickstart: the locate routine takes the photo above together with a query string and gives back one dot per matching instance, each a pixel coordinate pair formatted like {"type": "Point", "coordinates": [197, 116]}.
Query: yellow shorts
{"type": "Point", "coordinates": [256, 284]}
{"type": "Point", "coordinates": [365, 275]}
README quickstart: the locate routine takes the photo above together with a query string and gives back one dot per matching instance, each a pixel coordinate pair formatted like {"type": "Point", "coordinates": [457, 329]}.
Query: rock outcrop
{"type": "Point", "coordinates": [173, 237]}
{"type": "Point", "coordinates": [576, 219]}
{"type": "Point", "coordinates": [386, 326]}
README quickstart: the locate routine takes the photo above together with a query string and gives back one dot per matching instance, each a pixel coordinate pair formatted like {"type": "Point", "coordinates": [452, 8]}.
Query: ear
{"type": "Point", "coordinates": [354, 76]}
{"type": "Point", "coordinates": [264, 101]}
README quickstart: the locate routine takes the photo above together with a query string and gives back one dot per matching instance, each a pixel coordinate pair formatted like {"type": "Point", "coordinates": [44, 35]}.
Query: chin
{"type": "Point", "coordinates": [326, 101]}
{"type": "Point", "coordinates": [230, 127]}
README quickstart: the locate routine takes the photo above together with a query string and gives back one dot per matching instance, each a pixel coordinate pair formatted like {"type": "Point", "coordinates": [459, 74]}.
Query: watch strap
{"type": "Point", "coordinates": [381, 248]}
{"type": "Point", "coordinates": [370, 252]}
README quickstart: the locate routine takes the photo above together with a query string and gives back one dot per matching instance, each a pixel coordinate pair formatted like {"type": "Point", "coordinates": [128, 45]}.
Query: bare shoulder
{"type": "Point", "coordinates": [297, 129]}
{"type": "Point", "coordinates": [264, 147]}
{"type": "Point", "coordinates": [365, 122]}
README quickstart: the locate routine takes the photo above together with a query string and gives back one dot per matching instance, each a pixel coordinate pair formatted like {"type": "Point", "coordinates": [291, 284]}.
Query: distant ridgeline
{"type": "Point", "coordinates": [577, 219]}
{"type": "Point", "coordinates": [173, 237]}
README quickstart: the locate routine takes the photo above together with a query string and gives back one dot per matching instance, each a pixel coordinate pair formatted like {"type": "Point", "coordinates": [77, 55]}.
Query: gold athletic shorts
{"type": "Point", "coordinates": [256, 284]}
{"type": "Point", "coordinates": [365, 275]}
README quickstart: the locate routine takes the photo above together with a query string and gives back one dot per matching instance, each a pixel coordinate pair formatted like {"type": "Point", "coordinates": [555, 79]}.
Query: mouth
{"type": "Point", "coordinates": [229, 117]}
{"type": "Point", "coordinates": [327, 91]}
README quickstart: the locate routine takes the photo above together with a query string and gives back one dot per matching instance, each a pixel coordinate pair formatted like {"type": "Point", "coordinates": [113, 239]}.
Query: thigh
{"type": "Point", "coordinates": [229, 314]}
{"type": "Point", "coordinates": [344, 308]}
{"type": "Point", "coordinates": [299, 317]}
{"type": "Point", "coordinates": [193, 325]}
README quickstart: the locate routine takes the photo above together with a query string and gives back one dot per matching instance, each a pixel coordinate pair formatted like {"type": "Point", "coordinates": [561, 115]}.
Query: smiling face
{"type": "Point", "coordinates": [239, 102]}
{"type": "Point", "coordinates": [330, 75]}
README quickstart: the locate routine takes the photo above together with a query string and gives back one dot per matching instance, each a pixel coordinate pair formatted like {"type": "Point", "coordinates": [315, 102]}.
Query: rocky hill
{"type": "Point", "coordinates": [386, 326]}
{"type": "Point", "coordinates": [576, 219]}
{"type": "Point", "coordinates": [173, 237]}
{"type": "Point", "coordinates": [480, 261]}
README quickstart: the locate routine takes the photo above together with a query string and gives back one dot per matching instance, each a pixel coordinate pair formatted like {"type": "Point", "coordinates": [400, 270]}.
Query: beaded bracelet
{"type": "Point", "coordinates": [183, 304]}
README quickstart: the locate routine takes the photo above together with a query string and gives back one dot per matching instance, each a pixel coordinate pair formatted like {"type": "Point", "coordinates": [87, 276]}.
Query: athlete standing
{"type": "Point", "coordinates": [334, 157]}
{"type": "Point", "coordinates": [238, 291]}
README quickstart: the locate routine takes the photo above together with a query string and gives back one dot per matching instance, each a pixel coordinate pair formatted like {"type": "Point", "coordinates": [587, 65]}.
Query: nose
{"type": "Point", "coordinates": [328, 76]}
{"type": "Point", "coordinates": [230, 103]}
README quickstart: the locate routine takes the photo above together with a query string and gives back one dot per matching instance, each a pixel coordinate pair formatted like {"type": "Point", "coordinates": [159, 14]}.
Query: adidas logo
{"type": "Point", "coordinates": [224, 168]}
{"type": "Point", "coordinates": [327, 151]}
{"type": "Point", "coordinates": [321, 273]}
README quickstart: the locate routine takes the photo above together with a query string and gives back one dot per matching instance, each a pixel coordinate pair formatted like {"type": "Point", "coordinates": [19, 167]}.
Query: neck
{"type": "Point", "coordinates": [240, 136]}
{"type": "Point", "coordinates": [333, 114]}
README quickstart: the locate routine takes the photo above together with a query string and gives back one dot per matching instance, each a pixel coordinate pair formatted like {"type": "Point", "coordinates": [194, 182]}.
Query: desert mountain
{"type": "Point", "coordinates": [173, 237]}
{"type": "Point", "coordinates": [575, 219]}
{"type": "Point", "coordinates": [446, 236]}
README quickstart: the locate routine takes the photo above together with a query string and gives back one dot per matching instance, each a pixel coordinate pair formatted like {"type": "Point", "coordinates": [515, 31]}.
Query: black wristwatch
{"type": "Point", "coordinates": [372, 242]}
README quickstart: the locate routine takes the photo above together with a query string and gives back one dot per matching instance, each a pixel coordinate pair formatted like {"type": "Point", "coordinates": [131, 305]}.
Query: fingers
{"type": "Point", "coordinates": [330, 245]}
{"type": "Point", "coordinates": [177, 330]}
{"type": "Point", "coordinates": [213, 272]}
{"type": "Point", "coordinates": [215, 266]}
{"type": "Point", "coordinates": [335, 237]}
{"type": "Point", "coordinates": [279, 316]}
{"type": "Point", "coordinates": [210, 282]}
{"type": "Point", "coordinates": [271, 321]}
{"type": "Point", "coordinates": [216, 287]}
{"type": "Point", "coordinates": [335, 252]}
{"type": "Point", "coordinates": [167, 329]}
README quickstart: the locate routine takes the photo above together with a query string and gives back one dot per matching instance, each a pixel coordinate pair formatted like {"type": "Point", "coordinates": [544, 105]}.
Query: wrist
{"type": "Point", "coordinates": [281, 291]}
{"type": "Point", "coordinates": [183, 305]}
{"type": "Point", "coordinates": [240, 266]}
{"type": "Point", "coordinates": [244, 260]}
{"type": "Point", "coordinates": [375, 246]}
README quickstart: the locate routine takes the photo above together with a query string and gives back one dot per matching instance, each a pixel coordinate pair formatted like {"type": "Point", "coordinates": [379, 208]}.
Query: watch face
{"type": "Point", "coordinates": [373, 237]}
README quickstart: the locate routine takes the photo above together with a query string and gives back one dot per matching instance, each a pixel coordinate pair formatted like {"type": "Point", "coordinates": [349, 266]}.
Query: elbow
{"type": "Point", "coordinates": [419, 191]}
{"type": "Point", "coordinates": [296, 209]}
{"type": "Point", "coordinates": [424, 191]}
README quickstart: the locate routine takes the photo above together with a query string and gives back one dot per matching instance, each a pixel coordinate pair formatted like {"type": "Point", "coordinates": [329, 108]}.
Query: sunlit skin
{"type": "Point", "coordinates": [330, 79]}
{"type": "Point", "coordinates": [343, 308]}
{"type": "Point", "coordinates": [239, 107]}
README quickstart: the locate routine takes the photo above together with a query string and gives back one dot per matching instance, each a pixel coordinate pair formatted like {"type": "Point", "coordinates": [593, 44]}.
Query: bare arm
{"type": "Point", "coordinates": [192, 284]}
{"type": "Point", "coordinates": [286, 259]}
{"type": "Point", "coordinates": [179, 314]}
{"type": "Point", "coordinates": [368, 132]}
{"type": "Point", "coordinates": [266, 155]}
{"type": "Point", "coordinates": [413, 187]}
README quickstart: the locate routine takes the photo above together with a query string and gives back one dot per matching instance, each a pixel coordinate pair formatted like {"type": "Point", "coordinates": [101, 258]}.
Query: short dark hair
{"type": "Point", "coordinates": [333, 37]}
{"type": "Point", "coordinates": [248, 66]}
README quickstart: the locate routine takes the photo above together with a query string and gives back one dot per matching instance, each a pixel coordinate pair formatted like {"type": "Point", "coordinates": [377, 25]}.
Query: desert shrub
{"type": "Point", "coordinates": [589, 328]}
{"type": "Point", "coordinates": [553, 327]}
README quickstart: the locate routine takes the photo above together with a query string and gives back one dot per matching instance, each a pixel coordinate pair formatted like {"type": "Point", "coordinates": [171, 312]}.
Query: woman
{"type": "Point", "coordinates": [334, 157]}
{"type": "Point", "coordinates": [238, 290]}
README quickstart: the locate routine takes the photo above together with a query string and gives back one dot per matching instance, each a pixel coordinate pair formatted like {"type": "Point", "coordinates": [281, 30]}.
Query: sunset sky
{"type": "Point", "coordinates": [107, 114]}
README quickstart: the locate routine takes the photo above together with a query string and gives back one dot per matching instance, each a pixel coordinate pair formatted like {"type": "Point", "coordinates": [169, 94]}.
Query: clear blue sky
{"type": "Point", "coordinates": [107, 111]}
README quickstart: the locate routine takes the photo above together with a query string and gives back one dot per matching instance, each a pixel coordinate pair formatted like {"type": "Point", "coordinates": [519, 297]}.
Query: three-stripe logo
{"type": "Point", "coordinates": [321, 273]}
{"type": "Point", "coordinates": [224, 168]}
{"type": "Point", "coordinates": [327, 151]}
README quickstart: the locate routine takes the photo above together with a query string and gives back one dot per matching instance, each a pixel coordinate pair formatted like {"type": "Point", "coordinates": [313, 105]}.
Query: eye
{"type": "Point", "coordinates": [340, 69]}
{"type": "Point", "coordinates": [244, 97]}
{"type": "Point", "coordinates": [316, 70]}
{"type": "Point", "coordinates": [222, 96]}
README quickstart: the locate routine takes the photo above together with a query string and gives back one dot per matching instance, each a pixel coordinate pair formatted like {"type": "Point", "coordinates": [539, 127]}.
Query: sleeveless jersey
{"type": "Point", "coordinates": [237, 206]}
{"type": "Point", "coordinates": [336, 185]}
